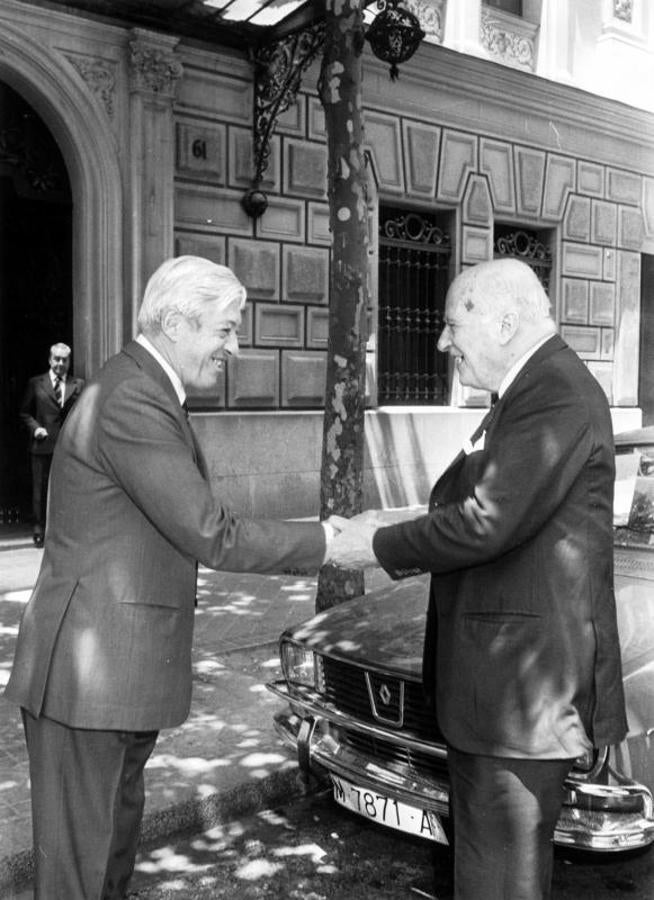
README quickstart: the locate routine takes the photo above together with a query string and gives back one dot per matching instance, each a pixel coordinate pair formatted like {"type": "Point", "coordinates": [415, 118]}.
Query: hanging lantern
{"type": "Point", "coordinates": [394, 34]}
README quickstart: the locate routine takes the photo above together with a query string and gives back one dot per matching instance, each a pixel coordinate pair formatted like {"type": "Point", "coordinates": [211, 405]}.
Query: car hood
{"type": "Point", "coordinates": [384, 629]}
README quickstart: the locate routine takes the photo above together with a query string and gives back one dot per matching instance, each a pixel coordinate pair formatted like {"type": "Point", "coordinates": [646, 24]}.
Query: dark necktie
{"type": "Point", "coordinates": [483, 425]}
{"type": "Point", "coordinates": [58, 389]}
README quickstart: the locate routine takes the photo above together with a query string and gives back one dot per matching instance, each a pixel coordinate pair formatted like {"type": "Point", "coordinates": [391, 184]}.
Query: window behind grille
{"type": "Point", "coordinates": [521, 243]}
{"type": "Point", "coordinates": [414, 255]}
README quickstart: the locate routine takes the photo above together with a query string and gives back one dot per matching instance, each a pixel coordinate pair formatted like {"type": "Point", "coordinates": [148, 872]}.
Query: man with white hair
{"type": "Point", "coordinates": [521, 654]}
{"type": "Point", "coordinates": [47, 401]}
{"type": "Point", "coordinates": [103, 658]}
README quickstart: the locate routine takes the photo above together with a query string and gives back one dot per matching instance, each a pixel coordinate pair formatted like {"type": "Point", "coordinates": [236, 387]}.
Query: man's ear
{"type": "Point", "coordinates": [170, 324]}
{"type": "Point", "coordinates": [508, 326]}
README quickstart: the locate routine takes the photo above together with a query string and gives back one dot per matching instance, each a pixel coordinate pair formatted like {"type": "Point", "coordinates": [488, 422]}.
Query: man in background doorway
{"type": "Point", "coordinates": [47, 401]}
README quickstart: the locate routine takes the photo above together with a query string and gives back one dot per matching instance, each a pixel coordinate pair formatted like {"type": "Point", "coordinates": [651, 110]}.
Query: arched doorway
{"type": "Point", "coordinates": [78, 125]}
{"type": "Point", "coordinates": [36, 303]}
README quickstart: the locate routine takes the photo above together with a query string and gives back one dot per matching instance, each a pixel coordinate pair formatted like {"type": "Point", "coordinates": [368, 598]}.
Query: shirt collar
{"type": "Point", "coordinates": [510, 376]}
{"type": "Point", "coordinates": [165, 365]}
{"type": "Point", "coordinates": [62, 378]}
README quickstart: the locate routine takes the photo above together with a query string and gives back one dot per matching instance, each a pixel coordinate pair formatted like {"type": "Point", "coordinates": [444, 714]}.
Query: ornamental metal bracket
{"type": "Point", "coordinates": [278, 70]}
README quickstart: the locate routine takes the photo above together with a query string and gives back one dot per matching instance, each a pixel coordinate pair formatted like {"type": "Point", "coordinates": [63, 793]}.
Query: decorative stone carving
{"type": "Point", "coordinates": [431, 15]}
{"type": "Point", "coordinates": [623, 10]}
{"type": "Point", "coordinates": [153, 69]}
{"type": "Point", "coordinates": [100, 76]}
{"type": "Point", "coordinates": [508, 39]}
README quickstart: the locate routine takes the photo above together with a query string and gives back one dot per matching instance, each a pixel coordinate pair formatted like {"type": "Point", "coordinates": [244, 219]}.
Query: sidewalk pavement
{"type": "Point", "coordinates": [225, 761]}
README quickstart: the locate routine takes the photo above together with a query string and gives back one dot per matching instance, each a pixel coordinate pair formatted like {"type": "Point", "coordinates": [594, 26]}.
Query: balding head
{"type": "Point", "coordinates": [501, 285]}
{"type": "Point", "coordinates": [494, 313]}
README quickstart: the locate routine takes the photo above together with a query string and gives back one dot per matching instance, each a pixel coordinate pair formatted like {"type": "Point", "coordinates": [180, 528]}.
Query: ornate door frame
{"type": "Point", "coordinates": [88, 147]}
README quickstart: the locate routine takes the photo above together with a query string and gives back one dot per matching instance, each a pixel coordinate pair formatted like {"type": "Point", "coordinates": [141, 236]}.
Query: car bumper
{"type": "Point", "coordinates": [591, 818]}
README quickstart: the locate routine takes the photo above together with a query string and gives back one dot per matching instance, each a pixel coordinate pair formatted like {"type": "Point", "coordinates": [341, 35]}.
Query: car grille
{"type": "Point", "coordinates": [345, 686]}
{"type": "Point", "coordinates": [394, 755]}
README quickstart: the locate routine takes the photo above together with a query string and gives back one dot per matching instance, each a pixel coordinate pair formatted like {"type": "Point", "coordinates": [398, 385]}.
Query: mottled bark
{"type": "Point", "coordinates": [343, 430]}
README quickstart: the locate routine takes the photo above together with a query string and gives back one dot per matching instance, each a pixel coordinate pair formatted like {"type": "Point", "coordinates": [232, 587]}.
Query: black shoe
{"type": "Point", "coordinates": [38, 540]}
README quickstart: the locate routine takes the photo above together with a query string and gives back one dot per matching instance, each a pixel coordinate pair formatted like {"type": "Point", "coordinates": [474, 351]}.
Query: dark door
{"type": "Point", "coordinates": [35, 279]}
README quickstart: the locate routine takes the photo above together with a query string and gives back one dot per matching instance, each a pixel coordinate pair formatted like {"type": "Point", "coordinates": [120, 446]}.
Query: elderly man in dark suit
{"type": "Point", "coordinates": [47, 401]}
{"type": "Point", "coordinates": [521, 649]}
{"type": "Point", "coordinates": [103, 658]}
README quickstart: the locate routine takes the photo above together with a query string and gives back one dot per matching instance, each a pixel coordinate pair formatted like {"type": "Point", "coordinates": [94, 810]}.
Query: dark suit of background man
{"type": "Point", "coordinates": [103, 658]}
{"type": "Point", "coordinates": [521, 648]}
{"type": "Point", "coordinates": [47, 401]}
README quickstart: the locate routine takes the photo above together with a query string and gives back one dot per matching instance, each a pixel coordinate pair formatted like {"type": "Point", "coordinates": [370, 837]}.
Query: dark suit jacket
{"type": "Point", "coordinates": [40, 408]}
{"type": "Point", "coordinates": [105, 640]}
{"type": "Point", "coordinates": [521, 639]}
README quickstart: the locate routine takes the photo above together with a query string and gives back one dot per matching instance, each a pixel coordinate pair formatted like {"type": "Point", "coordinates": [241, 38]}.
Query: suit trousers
{"type": "Point", "coordinates": [41, 463]}
{"type": "Point", "coordinates": [88, 795]}
{"type": "Point", "coordinates": [504, 812]}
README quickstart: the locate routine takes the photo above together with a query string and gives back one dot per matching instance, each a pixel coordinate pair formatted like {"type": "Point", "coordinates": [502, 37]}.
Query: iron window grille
{"type": "Point", "coordinates": [519, 243]}
{"type": "Point", "coordinates": [414, 257]}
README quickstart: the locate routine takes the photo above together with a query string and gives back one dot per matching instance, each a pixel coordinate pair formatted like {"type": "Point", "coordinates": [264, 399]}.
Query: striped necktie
{"type": "Point", "coordinates": [58, 389]}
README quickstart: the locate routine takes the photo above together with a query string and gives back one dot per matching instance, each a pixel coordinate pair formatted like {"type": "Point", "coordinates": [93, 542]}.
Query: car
{"type": "Point", "coordinates": [356, 712]}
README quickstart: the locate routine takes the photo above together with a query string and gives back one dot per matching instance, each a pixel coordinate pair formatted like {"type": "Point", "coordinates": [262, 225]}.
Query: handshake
{"type": "Point", "coordinates": [350, 547]}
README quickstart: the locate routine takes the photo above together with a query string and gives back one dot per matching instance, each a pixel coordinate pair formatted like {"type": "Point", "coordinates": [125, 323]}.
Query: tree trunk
{"type": "Point", "coordinates": [343, 429]}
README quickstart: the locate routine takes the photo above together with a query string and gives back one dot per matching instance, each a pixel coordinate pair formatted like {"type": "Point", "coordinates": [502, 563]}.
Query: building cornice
{"type": "Point", "coordinates": [445, 87]}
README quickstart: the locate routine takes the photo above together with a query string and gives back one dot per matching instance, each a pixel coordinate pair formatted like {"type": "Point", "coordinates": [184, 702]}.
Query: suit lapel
{"type": "Point", "coordinates": [476, 434]}
{"type": "Point", "coordinates": [449, 477]}
{"type": "Point", "coordinates": [48, 387]}
{"type": "Point", "coordinates": [149, 364]}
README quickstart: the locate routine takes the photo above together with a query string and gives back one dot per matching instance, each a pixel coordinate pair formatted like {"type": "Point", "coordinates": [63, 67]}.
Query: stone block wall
{"type": "Point", "coordinates": [595, 216]}
{"type": "Point", "coordinates": [282, 259]}
{"type": "Point", "coordinates": [263, 446]}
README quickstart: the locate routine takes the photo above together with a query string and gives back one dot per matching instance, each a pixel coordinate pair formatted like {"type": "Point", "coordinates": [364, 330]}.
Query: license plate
{"type": "Point", "coordinates": [387, 811]}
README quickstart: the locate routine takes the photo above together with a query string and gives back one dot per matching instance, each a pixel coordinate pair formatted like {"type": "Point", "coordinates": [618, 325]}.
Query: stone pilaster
{"type": "Point", "coordinates": [154, 72]}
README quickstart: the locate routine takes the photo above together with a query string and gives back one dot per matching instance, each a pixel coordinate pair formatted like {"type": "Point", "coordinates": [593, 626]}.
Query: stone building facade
{"type": "Point", "coordinates": [156, 137]}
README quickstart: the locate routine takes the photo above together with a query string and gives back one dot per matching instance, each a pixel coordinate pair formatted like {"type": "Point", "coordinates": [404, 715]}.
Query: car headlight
{"type": "Point", "coordinates": [298, 663]}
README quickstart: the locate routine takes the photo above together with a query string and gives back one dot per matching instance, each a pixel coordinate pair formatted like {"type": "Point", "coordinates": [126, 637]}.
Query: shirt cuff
{"type": "Point", "coordinates": [330, 534]}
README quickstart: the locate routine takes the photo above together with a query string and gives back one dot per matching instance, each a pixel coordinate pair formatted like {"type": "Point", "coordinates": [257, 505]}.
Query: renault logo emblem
{"type": "Point", "coordinates": [384, 695]}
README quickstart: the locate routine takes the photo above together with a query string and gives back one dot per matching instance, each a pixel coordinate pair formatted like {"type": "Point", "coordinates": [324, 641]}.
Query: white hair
{"type": "Point", "coordinates": [184, 284]}
{"type": "Point", "coordinates": [60, 349]}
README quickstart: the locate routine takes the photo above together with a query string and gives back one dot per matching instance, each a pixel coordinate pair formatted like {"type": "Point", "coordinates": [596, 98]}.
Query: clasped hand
{"type": "Point", "coordinates": [351, 548]}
